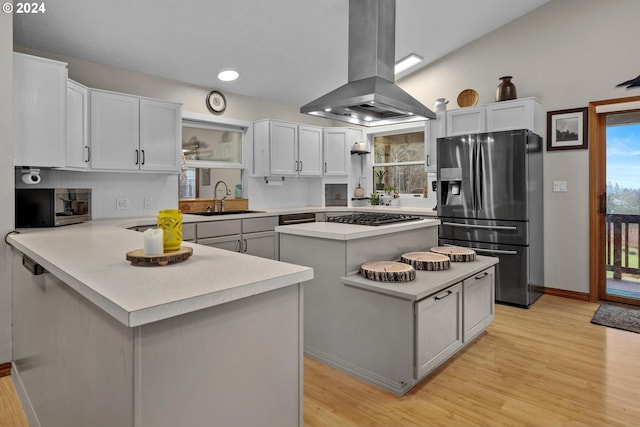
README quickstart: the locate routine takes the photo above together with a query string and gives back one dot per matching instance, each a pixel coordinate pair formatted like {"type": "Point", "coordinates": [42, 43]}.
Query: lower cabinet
{"type": "Point", "coordinates": [253, 236]}
{"type": "Point", "coordinates": [438, 329]}
{"type": "Point", "coordinates": [478, 303]}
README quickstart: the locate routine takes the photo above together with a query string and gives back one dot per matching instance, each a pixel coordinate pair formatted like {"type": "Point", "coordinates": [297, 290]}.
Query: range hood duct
{"type": "Point", "coordinates": [370, 97]}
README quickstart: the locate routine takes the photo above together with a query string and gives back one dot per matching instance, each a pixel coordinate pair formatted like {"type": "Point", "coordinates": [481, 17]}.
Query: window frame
{"type": "Point", "coordinates": [420, 126]}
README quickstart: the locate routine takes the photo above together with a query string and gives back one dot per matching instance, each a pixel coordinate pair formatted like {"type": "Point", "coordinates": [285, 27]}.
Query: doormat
{"type": "Point", "coordinates": [617, 316]}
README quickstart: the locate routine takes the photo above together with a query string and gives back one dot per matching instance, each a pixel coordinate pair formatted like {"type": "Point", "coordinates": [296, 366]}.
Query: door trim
{"type": "Point", "coordinates": [597, 186]}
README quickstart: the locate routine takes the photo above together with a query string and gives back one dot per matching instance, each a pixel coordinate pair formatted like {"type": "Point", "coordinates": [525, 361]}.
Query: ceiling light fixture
{"type": "Point", "coordinates": [228, 75]}
{"type": "Point", "coordinates": [405, 63]}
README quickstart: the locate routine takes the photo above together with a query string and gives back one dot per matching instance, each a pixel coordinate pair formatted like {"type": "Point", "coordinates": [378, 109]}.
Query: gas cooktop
{"type": "Point", "coordinates": [373, 219]}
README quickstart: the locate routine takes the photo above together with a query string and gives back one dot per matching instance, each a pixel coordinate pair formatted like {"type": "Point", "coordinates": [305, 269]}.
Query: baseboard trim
{"type": "Point", "coordinates": [5, 369]}
{"type": "Point", "coordinates": [582, 296]}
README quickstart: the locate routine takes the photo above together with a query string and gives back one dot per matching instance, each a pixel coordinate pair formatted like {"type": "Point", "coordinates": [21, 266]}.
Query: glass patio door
{"type": "Point", "coordinates": [622, 223]}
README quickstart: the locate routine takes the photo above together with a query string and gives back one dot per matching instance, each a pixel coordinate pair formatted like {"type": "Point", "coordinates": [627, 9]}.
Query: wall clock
{"type": "Point", "coordinates": [216, 102]}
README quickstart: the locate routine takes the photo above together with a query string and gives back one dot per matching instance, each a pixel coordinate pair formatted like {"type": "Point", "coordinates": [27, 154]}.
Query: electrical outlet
{"type": "Point", "coordinates": [122, 203]}
{"type": "Point", "coordinates": [559, 186]}
{"type": "Point", "coordinates": [147, 202]}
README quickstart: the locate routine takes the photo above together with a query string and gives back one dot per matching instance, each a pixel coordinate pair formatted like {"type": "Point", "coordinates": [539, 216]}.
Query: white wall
{"type": "Point", "coordinates": [6, 180]}
{"type": "Point", "coordinates": [566, 53]}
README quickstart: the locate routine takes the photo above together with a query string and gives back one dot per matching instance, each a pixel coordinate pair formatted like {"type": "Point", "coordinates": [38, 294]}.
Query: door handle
{"type": "Point", "coordinates": [441, 296]}
{"type": "Point", "coordinates": [603, 203]}
{"type": "Point", "coordinates": [489, 227]}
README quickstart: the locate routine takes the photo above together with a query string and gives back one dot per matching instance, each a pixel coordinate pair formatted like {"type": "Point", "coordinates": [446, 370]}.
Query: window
{"type": "Point", "coordinates": [211, 143]}
{"type": "Point", "coordinates": [401, 156]}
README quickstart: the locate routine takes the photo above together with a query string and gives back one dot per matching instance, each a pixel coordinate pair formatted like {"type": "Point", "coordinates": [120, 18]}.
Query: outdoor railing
{"type": "Point", "coordinates": [623, 234]}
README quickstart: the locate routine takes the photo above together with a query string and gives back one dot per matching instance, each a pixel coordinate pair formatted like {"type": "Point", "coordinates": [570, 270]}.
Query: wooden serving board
{"type": "Point", "coordinates": [388, 271]}
{"type": "Point", "coordinates": [138, 257]}
{"type": "Point", "coordinates": [455, 253]}
{"type": "Point", "coordinates": [426, 261]}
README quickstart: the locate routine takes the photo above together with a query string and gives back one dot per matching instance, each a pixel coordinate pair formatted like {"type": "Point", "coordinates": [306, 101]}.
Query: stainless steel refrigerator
{"type": "Point", "coordinates": [490, 200]}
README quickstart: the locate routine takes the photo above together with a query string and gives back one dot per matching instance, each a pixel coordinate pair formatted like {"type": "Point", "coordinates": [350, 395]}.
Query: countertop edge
{"type": "Point", "coordinates": [396, 290]}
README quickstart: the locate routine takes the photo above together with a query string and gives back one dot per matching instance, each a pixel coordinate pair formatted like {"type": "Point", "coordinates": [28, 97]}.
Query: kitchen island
{"type": "Point", "coordinates": [214, 340]}
{"type": "Point", "coordinates": [389, 334]}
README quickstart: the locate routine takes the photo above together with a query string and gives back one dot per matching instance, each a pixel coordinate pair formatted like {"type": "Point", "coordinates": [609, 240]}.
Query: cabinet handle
{"type": "Point", "coordinates": [297, 167]}
{"type": "Point", "coordinates": [482, 275]}
{"type": "Point", "coordinates": [239, 246]}
{"type": "Point", "coordinates": [88, 154]}
{"type": "Point", "coordinates": [428, 160]}
{"type": "Point", "coordinates": [137, 157]}
{"type": "Point", "coordinates": [439, 297]}
{"type": "Point", "coordinates": [325, 167]}
{"type": "Point", "coordinates": [142, 156]}
{"type": "Point", "coordinates": [301, 165]}
{"type": "Point", "coordinates": [245, 245]}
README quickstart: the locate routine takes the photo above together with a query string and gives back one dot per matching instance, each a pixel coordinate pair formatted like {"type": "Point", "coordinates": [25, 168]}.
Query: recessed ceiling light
{"type": "Point", "coordinates": [406, 63]}
{"type": "Point", "coordinates": [228, 75]}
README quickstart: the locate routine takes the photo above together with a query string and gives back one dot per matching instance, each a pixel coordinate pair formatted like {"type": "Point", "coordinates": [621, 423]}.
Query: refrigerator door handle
{"type": "Point", "coordinates": [491, 251]}
{"type": "Point", "coordinates": [474, 178]}
{"type": "Point", "coordinates": [489, 227]}
{"type": "Point", "coordinates": [479, 177]}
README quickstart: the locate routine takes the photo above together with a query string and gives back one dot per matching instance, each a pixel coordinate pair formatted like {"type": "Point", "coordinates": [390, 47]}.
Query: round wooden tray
{"type": "Point", "coordinates": [426, 261]}
{"type": "Point", "coordinates": [467, 98]}
{"type": "Point", "coordinates": [387, 271]}
{"type": "Point", "coordinates": [455, 253]}
{"type": "Point", "coordinates": [138, 257]}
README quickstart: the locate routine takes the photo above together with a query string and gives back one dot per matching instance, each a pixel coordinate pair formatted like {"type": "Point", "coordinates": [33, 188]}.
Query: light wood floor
{"type": "Point", "coordinates": [546, 366]}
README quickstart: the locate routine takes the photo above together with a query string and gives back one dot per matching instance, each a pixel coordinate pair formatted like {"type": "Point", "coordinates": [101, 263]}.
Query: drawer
{"type": "Point", "coordinates": [252, 225]}
{"type": "Point", "coordinates": [218, 228]}
{"type": "Point", "coordinates": [188, 232]}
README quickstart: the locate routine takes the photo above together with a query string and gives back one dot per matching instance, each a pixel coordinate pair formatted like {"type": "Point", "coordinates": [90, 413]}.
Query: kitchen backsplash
{"type": "Point", "coordinates": [160, 190]}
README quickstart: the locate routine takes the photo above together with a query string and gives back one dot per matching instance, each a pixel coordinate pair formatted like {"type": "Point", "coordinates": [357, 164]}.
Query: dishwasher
{"type": "Point", "coordinates": [299, 218]}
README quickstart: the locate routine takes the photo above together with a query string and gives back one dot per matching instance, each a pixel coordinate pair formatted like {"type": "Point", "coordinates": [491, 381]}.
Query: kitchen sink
{"type": "Point", "coordinates": [224, 213]}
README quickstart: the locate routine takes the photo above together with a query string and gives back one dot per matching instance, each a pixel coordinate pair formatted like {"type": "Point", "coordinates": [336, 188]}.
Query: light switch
{"type": "Point", "coordinates": [559, 186]}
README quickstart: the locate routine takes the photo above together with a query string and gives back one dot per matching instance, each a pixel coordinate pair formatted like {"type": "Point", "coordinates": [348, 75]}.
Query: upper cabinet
{"type": "Point", "coordinates": [466, 121]}
{"type": "Point", "coordinates": [434, 129]}
{"type": "Point", "coordinates": [525, 113]}
{"type": "Point", "coordinates": [286, 149]}
{"type": "Point", "coordinates": [78, 153]}
{"type": "Point", "coordinates": [40, 99]}
{"type": "Point", "coordinates": [129, 133]}
{"type": "Point", "coordinates": [337, 149]}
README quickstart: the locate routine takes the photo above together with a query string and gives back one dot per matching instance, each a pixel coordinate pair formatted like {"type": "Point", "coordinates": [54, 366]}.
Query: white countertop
{"type": "Point", "coordinates": [90, 258]}
{"type": "Point", "coordinates": [426, 282]}
{"type": "Point", "coordinates": [339, 231]}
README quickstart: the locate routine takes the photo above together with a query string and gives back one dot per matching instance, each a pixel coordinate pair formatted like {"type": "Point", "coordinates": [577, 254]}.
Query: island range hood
{"type": "Point", "coordinates": [370, 97]}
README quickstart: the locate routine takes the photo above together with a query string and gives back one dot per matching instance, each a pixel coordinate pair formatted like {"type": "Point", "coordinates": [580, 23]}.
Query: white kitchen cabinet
{"type": "Point", "coordinates": [337, 148]}
{"type": "Point", "coordinates": [286, 149]}
{"type": "Point", "coordinates": [40, 99]}
{"type": "Point", "coordinates": [78, 153]}
{"type": "Point", "coordinates": [130, 134]}
{"type": "Point", "coordinates": [434, 129]}
{"type": "Point", "coordinates": [309, 150]}
{"type": "Point", "coordinates": [465, 121]}
{"type": "Point", "coordinates": [525, 113]}
{"type": "Point", "coordinates": [478, 303]}
{"type": "Point", "coordinates": [160, 135]}
{"type": "Point", "coordinates": [253, 236]}
{"type": "Point", "coordinates": [438, 329]}
{"type": "Point", "coordinates": [115, 131]}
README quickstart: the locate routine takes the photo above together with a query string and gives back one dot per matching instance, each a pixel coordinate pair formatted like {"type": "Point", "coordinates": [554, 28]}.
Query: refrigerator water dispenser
{"type": "Point", "coordinates": [451, 186]}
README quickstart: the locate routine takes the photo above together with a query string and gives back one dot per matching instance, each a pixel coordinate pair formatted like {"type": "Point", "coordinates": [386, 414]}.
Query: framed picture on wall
{"type": "Point", "coordinates": [567, 129]}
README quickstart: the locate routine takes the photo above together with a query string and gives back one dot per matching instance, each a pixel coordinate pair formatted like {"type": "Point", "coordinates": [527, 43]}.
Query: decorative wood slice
{"type": "Point", "coordinates": [388, 271]}
{"type": "Point", "coordinates": [427, 261]}
{"type": "Point", "coordinates": [138, 257]}
{"type": "Point", "coordinates": [455, 253]}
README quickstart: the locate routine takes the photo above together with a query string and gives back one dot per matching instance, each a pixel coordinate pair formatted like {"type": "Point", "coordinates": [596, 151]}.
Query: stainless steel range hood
{"type": "Point", "coordinates": [370, 98]}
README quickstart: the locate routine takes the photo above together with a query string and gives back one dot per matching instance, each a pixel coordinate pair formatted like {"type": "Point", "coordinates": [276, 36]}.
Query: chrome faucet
{"type": "Point", "coordinates": [215, 194]}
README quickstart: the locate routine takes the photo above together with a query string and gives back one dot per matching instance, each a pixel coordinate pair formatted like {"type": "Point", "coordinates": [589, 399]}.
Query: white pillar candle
{"type": "Point", "coordinates": [153, 242]}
